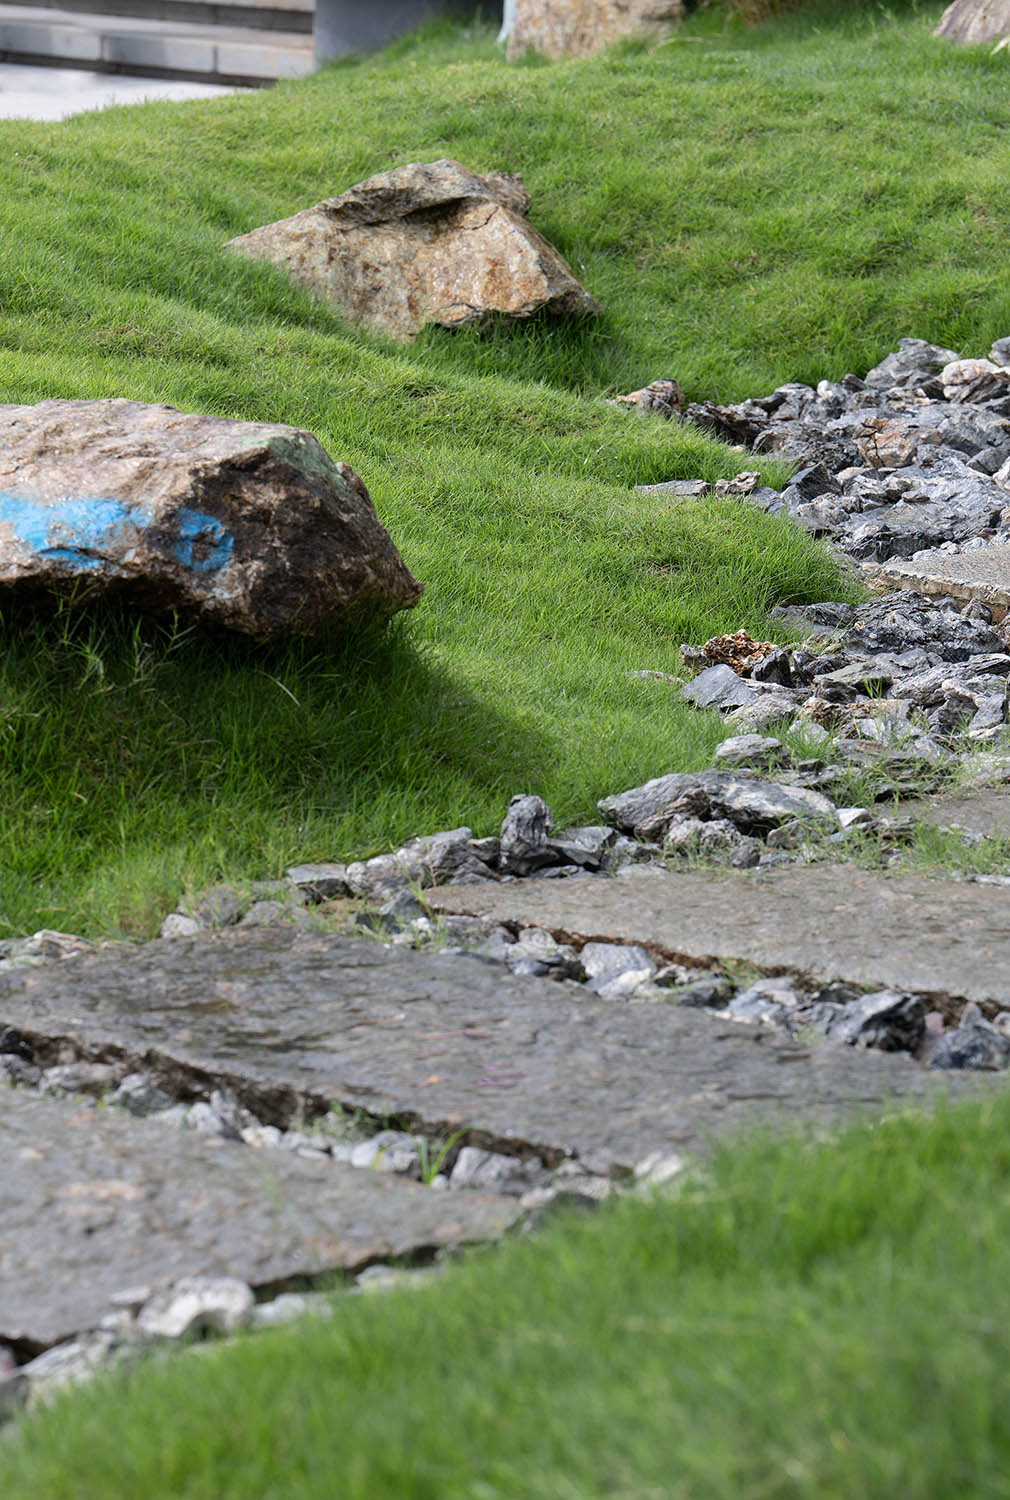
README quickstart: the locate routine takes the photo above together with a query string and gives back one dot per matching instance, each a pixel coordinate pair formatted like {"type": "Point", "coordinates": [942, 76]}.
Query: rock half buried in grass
{"type": "Point", "coordinates": [975, 21]}
{"type": "Point", "coordinates": [246, 525]}
{"type": "Point", "coordinates": [430, 242]}
{"type": "Point", "coordinates": [570, 28]}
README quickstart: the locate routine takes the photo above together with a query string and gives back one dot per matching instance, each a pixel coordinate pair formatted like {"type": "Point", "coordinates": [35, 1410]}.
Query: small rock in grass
{"type": "Point", "coordinates": [14, 1388]}
{"type": "Point", "coordinates": [753, 750]}
{"type": "Point", "coordinates": [854, 817]}
{"type": "Point", "coordinates": [178, 924]}
{"type": "Point", "coordinates": [524, 835]}
{"type": "Point", "coordinates": [139, 1094]}
{"type": "Point", "coordinates": [493, 1172]}
{"type": "Point", "coordinates": [321, 882]}
{"type": "Point", "coordinates": [94, 1079]}
{"type": "Point", "coordinates": [787, 835]}
{"type": "Point", "coordinates": [769, 1000]}
{"type": "Point", "coordinates": [614, 970]}
{"type": "Point", "coordinates": [658, 1167]}
{"type": "Point", "coordinates": [67, 1363]}
{"type": "Point", "coordinates": [719, 687]}
{"type": "Point", "coordinates": [709, 993]}
{"type": "Point", "coordinates": [206, 1120]}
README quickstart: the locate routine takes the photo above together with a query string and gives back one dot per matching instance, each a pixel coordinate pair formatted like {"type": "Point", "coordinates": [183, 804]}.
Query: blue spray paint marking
{"type": "Point", "coordinates": [204, 545]}
{"type": "Point", "coordinates": [69, 531]}
{"type": "Point", "coordinates": [82, 533]}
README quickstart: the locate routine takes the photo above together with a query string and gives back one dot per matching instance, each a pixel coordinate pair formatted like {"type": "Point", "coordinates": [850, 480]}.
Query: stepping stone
{"type": "Point", "coordinates": [983, 574]}
{"type": "Point", "coordinates": [287, 1019]}
{"type": "Point", "coordinates": [945, 939]}
{"type": "Point", "coordinates": [985, 813]}
{"type": "Point", "coordinates": [93, 1202]}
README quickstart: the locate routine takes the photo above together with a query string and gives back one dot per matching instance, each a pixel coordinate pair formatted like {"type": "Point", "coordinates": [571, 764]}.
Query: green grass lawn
{"type": "Point", "coordinates": [818, 1322]}
{"type": "Point", "coordinates": [808, 1322]}
{"type": "Point", "coordinates": [749, 206]}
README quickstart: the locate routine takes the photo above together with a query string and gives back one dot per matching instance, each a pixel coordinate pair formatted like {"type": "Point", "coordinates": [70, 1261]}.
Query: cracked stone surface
{"type": "Point", "coordinates": [446, 1040]}
{"type": "Point", "coordinates": [981, 574]}
{"type": "Point", "coordinates": [93, 1201]}
{"type": "Point", "coordinates": [941, 938]}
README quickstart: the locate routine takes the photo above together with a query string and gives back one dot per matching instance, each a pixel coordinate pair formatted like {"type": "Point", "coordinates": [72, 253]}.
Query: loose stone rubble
{"type": "Point", "coordinates": [430, 242]}
{"type": "Point", "coordinates": [913, 456]}
{"type": "Point", "coordinates": [246, 526]}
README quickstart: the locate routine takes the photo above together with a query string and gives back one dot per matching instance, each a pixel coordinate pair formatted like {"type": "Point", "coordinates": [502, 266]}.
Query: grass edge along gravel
{"type": "Point", "coordinates": [803, 1320]}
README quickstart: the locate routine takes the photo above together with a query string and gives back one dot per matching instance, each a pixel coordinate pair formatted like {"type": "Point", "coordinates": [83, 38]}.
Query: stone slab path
{"type": "Point", "coordinates": [446, 1041]}
{"type": "Point", "coordinates": [945, 939]}
{"type": "Point", "coordinates": [286, 1018]}
{"type": "Point", "coordinates": [985, 813]}
{"type": "Point", "coordinates": [982, 573]}
{"type": "Point", "coordinates": [93, 1202]}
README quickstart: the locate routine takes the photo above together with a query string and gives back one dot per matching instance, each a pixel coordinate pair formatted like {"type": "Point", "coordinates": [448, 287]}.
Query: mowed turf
{"type": "Point", "coordinates": [811, 1322]}
{"type": "Point", "coordinates": [750, 207]}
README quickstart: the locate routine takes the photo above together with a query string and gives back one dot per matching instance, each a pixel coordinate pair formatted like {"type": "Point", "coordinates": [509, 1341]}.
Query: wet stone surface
{"type": "Point", "coordinates": [944, 939]}
{"type": "Point", "coordinates": [94, 1201]}
{"type": "Point", "coordinates": [524, 1064]}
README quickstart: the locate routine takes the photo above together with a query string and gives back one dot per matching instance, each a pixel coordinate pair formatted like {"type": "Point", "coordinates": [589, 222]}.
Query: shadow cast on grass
{"type": "Point", "coordinates": [137, 755]}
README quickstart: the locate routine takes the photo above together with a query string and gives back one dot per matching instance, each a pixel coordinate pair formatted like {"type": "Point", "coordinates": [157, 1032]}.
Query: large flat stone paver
{"type": "Point", "coordinates": [983, 574]}
{"type": "Point", "coordinates": [985, 813]}
{"type": "Point", "coordinates": [447, 1041]}
{"type": "Point", "coordinates": [93, 1202]}
{"type": "Point", "coordinates": [943, 938]}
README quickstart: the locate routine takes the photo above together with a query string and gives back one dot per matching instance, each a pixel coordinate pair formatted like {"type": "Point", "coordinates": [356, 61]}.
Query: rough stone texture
{"type": "Point", "coordinates": [974, 21]}
{"type": "Point", "coordinates": [92, 1202]}
{"type": "Point", "coordinates": [942, 939]}
{"type": "Point", "coordinates": [747, 801]}
{"type": "Point", "coordinates": [442, 1040]}
{"type": "Point", "coordinates": [430, 242]}
{"type": "Point", "coordinates": [983, 813]}
{"type": "Point", "coordinates": [983, 573]}
{"type": "Point", "coordinates": [246, 525]}
{"type": "Point", "coordinates": [572, 28]}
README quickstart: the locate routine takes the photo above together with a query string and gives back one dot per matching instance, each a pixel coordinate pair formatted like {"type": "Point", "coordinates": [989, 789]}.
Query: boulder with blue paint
{"type": "Point", "coordinates": [248, 526]}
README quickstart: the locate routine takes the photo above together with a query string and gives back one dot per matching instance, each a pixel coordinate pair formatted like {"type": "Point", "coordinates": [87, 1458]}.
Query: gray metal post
{"type": "Point", "coordinates": [344, 26]}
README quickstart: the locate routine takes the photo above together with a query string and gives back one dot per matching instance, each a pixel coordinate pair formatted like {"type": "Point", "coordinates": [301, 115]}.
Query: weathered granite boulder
{"type": "Point", "coordinates": [430, 242]}
{"type": "Point", "coordinates": [570, 28]}
{"type": "Point", "coordinates": [975, 21]}
{"type": "Point", "coordinates": [249, 526]}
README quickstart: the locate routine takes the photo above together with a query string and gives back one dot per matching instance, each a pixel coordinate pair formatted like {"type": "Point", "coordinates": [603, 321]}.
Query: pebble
{"type": "Point", "coordinates": [197, 1305]}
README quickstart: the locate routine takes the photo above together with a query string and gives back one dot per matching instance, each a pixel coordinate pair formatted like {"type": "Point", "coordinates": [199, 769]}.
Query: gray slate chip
{"type": "Point", "coordinates": [748, 801]}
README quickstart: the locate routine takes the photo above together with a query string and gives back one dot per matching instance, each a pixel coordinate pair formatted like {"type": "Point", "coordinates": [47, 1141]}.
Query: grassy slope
{"type": "Point", "coordinates": [745, 207]}
{"type": "Point", "coordinates": [808, 1323]}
